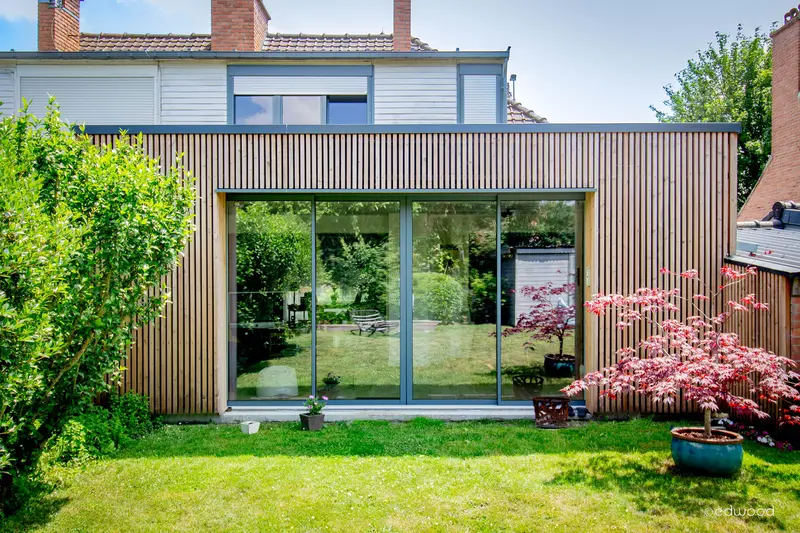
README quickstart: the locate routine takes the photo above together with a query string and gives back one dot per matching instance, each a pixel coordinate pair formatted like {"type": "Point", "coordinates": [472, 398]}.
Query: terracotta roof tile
{"type": "Point", "coordinates": [301, 42]}
{"type": "Point", "coordinates": [519, 114]}
{"type": "Point", "coordinates": [129, 42]}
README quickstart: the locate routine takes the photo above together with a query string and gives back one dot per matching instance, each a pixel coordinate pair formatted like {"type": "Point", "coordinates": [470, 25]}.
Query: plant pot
{"type": "Point", "coordinates": [312, 422]}
{"type": "Point", "coordinates": [559, 366]}
{"type": "Point", "coordinates": [712, 457]}
{"type": "Point", "coordinates": [249, 428]}
{"type": "Point", "coordinates": [551, 412]}
{"type": "Point", "coordinates": [526, 386]}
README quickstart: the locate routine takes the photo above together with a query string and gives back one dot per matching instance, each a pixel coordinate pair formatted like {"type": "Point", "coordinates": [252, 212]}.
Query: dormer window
{"type": "Point", "coordinates": [299, 95]}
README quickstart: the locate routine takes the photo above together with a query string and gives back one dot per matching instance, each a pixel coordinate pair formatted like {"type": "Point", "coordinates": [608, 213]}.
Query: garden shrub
{"type": "Point", "coordinates": [99, 431]}
{"type": "Point", "coordinates": [438, 297]}
{"type": "Point", "coordinates": [87, 236]}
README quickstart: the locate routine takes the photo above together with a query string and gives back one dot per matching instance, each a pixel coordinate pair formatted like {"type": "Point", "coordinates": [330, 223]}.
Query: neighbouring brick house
{"type": "Point", "coordinates": [769, 222]}
{"type": "Point", "coordinates": [780, 180]}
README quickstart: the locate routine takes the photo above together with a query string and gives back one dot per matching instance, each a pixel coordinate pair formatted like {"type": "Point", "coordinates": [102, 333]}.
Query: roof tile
{"type": "Point", "coordinates": [129, 42]}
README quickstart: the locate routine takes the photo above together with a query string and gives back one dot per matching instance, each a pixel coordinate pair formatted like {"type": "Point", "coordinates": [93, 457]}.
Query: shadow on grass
{"type": "Point", "coordinates": [656, 486]}
{"type": "Point", "coordinates": [37, 507]}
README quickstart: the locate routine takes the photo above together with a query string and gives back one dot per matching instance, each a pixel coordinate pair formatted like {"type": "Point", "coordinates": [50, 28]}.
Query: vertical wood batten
{"type": "Point", "coordinates": [660, 200]}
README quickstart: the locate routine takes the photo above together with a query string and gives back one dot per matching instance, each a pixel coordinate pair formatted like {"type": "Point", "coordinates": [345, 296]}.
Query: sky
{"type": "Point", "coordinates": [575, 60]}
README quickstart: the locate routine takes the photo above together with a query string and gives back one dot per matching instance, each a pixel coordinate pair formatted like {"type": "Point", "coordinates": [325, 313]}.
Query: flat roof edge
{"type": "Point", "coordinates": [787, 272]}
{"type": "Point", "coordinates": [505, 54]}
{"type": "Point", "coordinates": [702, 127]}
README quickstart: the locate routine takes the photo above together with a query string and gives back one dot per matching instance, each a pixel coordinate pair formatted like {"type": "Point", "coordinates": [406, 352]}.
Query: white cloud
{"type": "Point", "coordinates": [16, 10]}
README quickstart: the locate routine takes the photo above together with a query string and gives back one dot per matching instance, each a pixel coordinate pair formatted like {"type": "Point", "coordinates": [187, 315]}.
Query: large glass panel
{"type": "Point", "coordinates": [454, 300]}
{"type": "Point", "coordinates": [347, 110]}
{"type": "Point", "coordinates": [302, 109]}
{"type": "Point", "coordinates": [358, 306]}
{"type": "Point", "coordinates": [254, 110]}
{"type": "Point", "coordinates": [269, 300]}
{"type": "Point", "coordinates": [540, 253]}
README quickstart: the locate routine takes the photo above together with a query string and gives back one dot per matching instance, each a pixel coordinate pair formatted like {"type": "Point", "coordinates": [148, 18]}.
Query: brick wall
{"type": "Point", "coordinates": [402, 26]}
{"type": "Point", "coordinates": [238, 25]}
{"type": "Point", "coordinates": [60, 28]}
{"type": "Point", "coordinates": [781, 178]}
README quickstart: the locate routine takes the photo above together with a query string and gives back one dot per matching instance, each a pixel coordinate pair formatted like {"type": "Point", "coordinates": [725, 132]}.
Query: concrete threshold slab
{"type": "Point", "coordinates": [357, 412]}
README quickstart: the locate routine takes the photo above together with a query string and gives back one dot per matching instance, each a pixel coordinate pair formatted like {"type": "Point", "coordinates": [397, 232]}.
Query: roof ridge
{"type": "Point", "coordinates": [301, 34]}
{"type": "Point", "coordinates": [103, 34]}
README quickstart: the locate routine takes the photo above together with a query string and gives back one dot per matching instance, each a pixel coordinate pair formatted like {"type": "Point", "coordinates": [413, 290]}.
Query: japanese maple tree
{"type": "Point", "coordinates": [545, 321]}
{"type": "Point", "coordinates": [694, 354]}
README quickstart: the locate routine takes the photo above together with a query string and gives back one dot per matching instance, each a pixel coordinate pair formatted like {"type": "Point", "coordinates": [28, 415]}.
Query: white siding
{"type": "Point", "coordinates": [8, 95]}
{"type": "Point", "coordinates": [480, 99]}
{"type": "Point", "coordinates": [537, 267]}
{"type": "Point", "coordinates": [194, 93]}
{"type": "Point", "coordinates": [300, 85]}
{"type": "Point", "coordinates": [416, 94]}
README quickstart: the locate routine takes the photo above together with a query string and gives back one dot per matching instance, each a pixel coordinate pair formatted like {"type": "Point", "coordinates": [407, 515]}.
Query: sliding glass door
{"type": "Point", "coordinates": [454, 281]}
{"type": "Point", "coordinates": [403, 298]}
{"type": "Point", "coordinates": [358, 300]}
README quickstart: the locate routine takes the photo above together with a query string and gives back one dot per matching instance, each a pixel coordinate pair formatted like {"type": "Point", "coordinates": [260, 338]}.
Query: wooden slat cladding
{"type": "Point", "coordinates": [763, 329]}
{"type": "Point", "coordinates": [661, 199]}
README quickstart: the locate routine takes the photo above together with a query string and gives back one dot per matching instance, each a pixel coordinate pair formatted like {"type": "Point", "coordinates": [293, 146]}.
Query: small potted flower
{"type": "Point", "coordinates": [313, 419]}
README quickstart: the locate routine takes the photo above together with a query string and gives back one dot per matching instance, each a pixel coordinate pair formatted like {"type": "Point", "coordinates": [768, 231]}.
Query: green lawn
{"type": "Point", "coordinates": [419, 476]}
{"type": "Point", "coordinates": [451, 360]}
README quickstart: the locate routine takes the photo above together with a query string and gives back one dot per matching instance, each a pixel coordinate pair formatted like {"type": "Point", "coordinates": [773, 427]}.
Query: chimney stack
{"type": "Point", "coordinates": [239, 25]}
{"type": "Point", "coordinates": [781, 178]}
{"type": "Point", "coordinates": [402, 26]}
{"type": "Point", "coordinates": [59, 25]}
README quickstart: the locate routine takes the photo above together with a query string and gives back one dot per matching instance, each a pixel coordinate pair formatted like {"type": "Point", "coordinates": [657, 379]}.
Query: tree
{"type": "Point", "coordinates": [545, 321]}
{"type": "Point", "coordinates": [730, 81]}
{"type": "Point", "coordinates": [86, 235]}
{"type": "Point", "coordinates": [693, 354]}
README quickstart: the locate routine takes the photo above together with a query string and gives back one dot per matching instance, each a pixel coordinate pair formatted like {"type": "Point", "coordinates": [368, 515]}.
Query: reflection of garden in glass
{"type": "Point", "coordinates": [358, 299]}
{"type": "Point", "coordinates": [538, 302]}
{"type": "Point", "coordinates": [454, 283]}
{"type": "Point", "coordinates": [269, 309]}
{"type": "Point", "coordinates": [453, 280]}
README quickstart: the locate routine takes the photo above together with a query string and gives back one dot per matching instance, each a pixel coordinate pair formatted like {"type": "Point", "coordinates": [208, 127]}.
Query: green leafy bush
{"type": "Point", "coordinates": [87, 237]}
{"type": "Point", "coordinates": [438, 297]}
{"type": "Point", "coordinates": [99, 431]}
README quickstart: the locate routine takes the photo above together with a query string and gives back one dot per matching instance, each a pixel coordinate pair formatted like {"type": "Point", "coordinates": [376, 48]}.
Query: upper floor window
{"type": "Point", "coordinates": [300, 94]}
{"type": "Point", "coordinates": [347, 109]}
{"type": "Point", "coordinates": [300, 110]}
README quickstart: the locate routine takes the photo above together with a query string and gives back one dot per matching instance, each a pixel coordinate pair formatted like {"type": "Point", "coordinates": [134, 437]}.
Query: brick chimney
{"type": "Point", "coordinates": [59, 25]}
{"type": "Point", "coordinates": [781, 178]}
{"type": "Point", "coordinates": [402, 26]}
{"type": "Point", "coordinates": [238, 25]}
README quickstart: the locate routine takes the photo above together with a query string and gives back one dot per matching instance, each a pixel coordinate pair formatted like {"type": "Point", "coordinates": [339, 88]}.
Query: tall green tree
{"type": "Point", "coordinates": [87, 235]}
{"type": "Point", "coordinates": [730, 81]}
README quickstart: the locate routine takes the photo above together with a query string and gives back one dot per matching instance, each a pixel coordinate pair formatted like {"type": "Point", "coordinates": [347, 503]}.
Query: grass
{"type": "Point", "coordinates": [423, 475]}
{"type": "Point", "coordinates": [450, 360]}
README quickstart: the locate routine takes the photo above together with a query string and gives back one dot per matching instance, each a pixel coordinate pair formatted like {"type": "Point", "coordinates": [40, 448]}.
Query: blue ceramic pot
{"type": "Point", "coordinates": [710, 457]}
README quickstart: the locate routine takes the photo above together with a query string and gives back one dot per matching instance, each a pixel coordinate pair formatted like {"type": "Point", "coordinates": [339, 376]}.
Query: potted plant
{"type": "Point", "coordinates": [331, 381]}
{"type": "Point", "coordinates": [313, 419]}
{"type": "Point", "coordinates": [551, 412]}
{"type": "Point", "coordinates": [696, 355]}
{"type": "Point", "coordinates": [527, 380]}
{"type": "Point", "coordinates": [546, 321]}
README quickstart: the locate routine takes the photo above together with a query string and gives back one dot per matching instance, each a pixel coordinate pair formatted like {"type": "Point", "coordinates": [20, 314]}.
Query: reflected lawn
{"type": "Point", "coordinates": [447, 357]}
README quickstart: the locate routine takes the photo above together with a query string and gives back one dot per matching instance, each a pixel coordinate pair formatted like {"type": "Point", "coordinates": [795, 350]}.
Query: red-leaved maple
{"type": "Point", "coordinates": [693, 354]}
{"type": "Point", "coordinates": [544, 320]}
